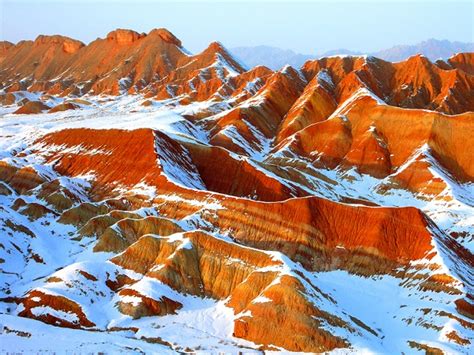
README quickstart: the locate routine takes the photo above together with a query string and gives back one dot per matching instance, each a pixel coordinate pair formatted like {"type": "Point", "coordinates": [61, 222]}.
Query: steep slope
{"type": "Point", "coordinates": [249, 127]}
{"type": "Point", "coordinates": [156, 274]}
{"type": "Point", "coordinates": [123, 61]}
{"type": "Point", "coordinates": [44, 59]}
{"type": "Point", "coordinates": [413, 83]}
{"type": "Point", "coordinates": [363, 126]}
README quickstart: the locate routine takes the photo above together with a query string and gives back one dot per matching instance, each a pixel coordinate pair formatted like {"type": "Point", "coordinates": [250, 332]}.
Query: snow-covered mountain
{"type": "Point", "coordinates": [276, 58]}
{"type": "Point", "coordinates": [158, 201]}
{"type": "Point", "coordinates": [273, 57]}
{"type": "Point", "coordinates": [431, 48]}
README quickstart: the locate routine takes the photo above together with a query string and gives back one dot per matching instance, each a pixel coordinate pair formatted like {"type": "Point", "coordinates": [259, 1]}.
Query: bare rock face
{"type": "Point", "coordinates": [61, 304]}
{"type": "Point", "coordinates": [146, 306]}
{"type": "Point", "coordinates": [112, 146]}
{"type": "Point", "coordinates": [414, 83]}
{"type": "Point", "coordinates": [8, 99]}
{"type": "Point", "coordinates": [370, 155]}
{"type": "Point", "coordinates": [22, 179]}
{"type": "Point", "coordinates": [64, 107]}
{"type": "Point", "coordinates": [122, 37]}
{"type": "Point", "coordinates": [43, 60]}
{"type": "Point", "coordinates": [314, 105]}
{"type": "Point", "coordinates": [166, 36]}
{"type": "Point", "coordinates": [126, 231]}
{"type": "Point", "coordinates": [131, 148]}
{"type": "Point", "coordinates": [4, 46]}
{"type": "Point", "coordinates": [312, 231]}
{"type": "Point", "coordinates": [377, 140]}
{"type": "Point", "coordinates": [462, 61]}
{"type": "Point", "coordinates": [31, 107]}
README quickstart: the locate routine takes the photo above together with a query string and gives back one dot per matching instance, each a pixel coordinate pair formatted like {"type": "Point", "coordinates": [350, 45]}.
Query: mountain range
{"type": "Point", "coordinates": [158, 201]}
{"type": "Point", "coordinates": [275, 58]}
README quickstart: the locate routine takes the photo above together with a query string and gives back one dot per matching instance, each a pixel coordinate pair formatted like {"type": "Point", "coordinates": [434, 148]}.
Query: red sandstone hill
{"type": "Point", "coordinates": [156, 64]}
{"type": "Point", "coordinates": [264, 291]}
{"type": "Point", "coordinates": [188, 204]}
{"type": "Point", "coordinates": [123, 61]}
{"type": "Point", "coordinates": [378, 139]}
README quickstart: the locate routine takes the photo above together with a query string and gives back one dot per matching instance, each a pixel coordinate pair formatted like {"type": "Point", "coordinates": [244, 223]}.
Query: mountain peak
{"type": "Point", "coordinates": [216, 47]}
{"type": "Point", "coordinates": [289, 70]}
{"type": "Point", "coordinates": [4, 45]}
{"type": "Point", "coordinates": [418, 59]}
{"type": "Point", "coordinates": [69, 45]}
{"type": "Point", "coordinates": [124, 36]}
{"type": "Point", "coordinates": [166, 36]}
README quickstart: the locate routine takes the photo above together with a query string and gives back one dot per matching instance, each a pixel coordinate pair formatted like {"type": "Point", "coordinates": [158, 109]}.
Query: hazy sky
{"type": "Point", "coordinates": [303, 26]}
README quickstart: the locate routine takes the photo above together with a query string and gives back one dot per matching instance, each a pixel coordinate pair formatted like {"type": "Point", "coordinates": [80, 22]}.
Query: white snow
{"type": "Point", "coordinates": [261, 299]}
{"type": "Point", "coordinates": [178, 168]}
{"type": "Point", "coordinates": [45, 310]}
{"type": "Point", "coordinates": [32, 336]}
{"type": "Point", "coordinates": [324, 77]}
{"type": "Point", "coordinates": [346, 105]}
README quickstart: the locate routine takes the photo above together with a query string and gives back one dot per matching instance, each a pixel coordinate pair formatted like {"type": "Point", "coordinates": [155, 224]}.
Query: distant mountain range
{"type": "Point", "coordinates": [275, 58]}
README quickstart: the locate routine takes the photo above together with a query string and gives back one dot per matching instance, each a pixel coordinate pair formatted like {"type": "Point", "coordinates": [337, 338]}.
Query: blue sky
{"type": "Point", "coordinates": [303, 26]}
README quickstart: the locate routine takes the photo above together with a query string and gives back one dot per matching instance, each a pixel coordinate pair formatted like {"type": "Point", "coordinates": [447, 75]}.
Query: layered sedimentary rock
{"type": "Point", "coordinates": [123, 61]}
{"type": "Point", "coordinates": [156, 64]}
{"type": "Point", "coordinates": [414, 83]}
{"type": "Point", "coordinates": [378, 139]}
{"type": "Point", "coordinates": [188, 203]}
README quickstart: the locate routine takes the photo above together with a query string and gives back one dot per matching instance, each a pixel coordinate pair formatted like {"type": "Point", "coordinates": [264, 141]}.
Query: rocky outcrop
{"type": "Point", "coordinates": [314, 105]}
{"type": "Point", "coordinates": [20, 179]}
{"type": "Point", "coordinates": [127, 158]}
{"type": "Point", "coordinates": [125, 60]}
{"type": "Point", "coordinates": [98, 149]}
{"type": "Point", "coordinates": [35, 302]}
{"type": "Point", "coordinates": [463, 61]}
{"type": "Point", "coordinates": [64, 107]}
{"type": "Point", "coordinates": [31, 107]}
{"type": "Point", "coordinates": [4, 47]}
{"type": "Point", "coordinates": [124, 37]}
{"type": "Point", "coordinates": [37, 62]}
{"type": "Point", "coordinates": [312, 231]}
{"type": "Point", "coordinates": [145, 306]}
{"type": "Point", "coordinates": [127, 231]}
